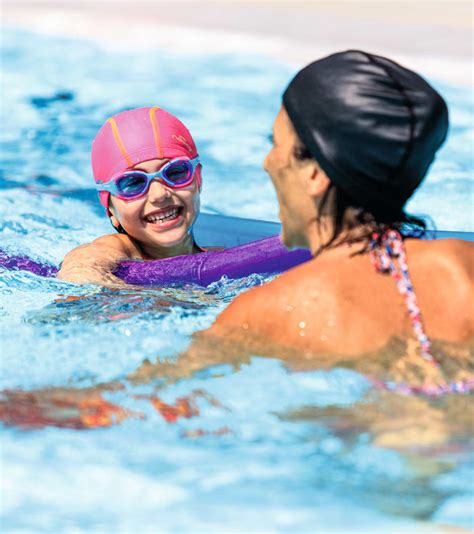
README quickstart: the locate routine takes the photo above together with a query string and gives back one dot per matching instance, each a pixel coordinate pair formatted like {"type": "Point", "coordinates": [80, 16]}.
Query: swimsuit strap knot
{"type": "Point", "coordinates": [384, 249]}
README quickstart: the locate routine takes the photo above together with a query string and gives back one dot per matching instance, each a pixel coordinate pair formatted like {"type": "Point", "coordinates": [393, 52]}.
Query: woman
{"type": "Point", "coordinates": [147, 171]}
{"type": "Point", "coordinates": [353, 140]}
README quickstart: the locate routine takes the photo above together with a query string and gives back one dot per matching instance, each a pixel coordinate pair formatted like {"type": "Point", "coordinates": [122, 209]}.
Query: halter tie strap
{"type": "Point", "coordinates": [388, 255]}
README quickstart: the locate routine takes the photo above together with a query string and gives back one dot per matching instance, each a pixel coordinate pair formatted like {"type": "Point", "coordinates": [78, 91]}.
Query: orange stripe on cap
{"type": "Point", "coordinates": [156, 132]}
{"type": "Point", "coordinates": [119, 142]}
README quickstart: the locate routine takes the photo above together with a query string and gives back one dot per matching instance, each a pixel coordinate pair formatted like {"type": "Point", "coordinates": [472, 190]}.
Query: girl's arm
{"type": "Point", "coordinates": [95, 262]}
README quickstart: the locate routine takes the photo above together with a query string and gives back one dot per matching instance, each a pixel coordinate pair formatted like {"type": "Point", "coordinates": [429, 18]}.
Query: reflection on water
{"type": "Point", "coordinates": [114, 304]}
{"type": "Point", "coordinates": [326, 433]}
{"type": "Point", "coordinates": [387, 452]}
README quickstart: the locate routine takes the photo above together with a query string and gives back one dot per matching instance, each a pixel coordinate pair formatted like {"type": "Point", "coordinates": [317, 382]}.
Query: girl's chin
{"type": "Point", "coordinates": [170, 239]}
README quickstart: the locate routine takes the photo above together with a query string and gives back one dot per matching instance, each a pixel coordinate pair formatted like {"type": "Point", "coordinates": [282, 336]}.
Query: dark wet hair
{"type": "Point", "coordinates": [120, 229]}
{"type": "Point", "coordinates": [378, 222]}
{"type": "Point", "coordinates": [374, 128]}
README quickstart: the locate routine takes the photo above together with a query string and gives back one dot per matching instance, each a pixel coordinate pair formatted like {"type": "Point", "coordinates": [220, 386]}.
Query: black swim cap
{"type": "Point", "coordinates": [373, 125]}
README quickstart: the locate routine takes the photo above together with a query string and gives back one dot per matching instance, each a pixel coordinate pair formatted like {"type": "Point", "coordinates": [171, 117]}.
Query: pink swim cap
{"type": "Point", "coordinates": [137, 135]}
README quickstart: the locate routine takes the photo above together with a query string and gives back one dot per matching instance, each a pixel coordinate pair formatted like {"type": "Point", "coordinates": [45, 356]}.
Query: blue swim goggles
{"type": "Point", "coordinates": [178, 172]}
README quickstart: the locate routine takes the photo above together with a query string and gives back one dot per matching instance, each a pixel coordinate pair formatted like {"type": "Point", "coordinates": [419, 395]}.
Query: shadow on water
{"type": "Point", "coordinates": [106, 304]}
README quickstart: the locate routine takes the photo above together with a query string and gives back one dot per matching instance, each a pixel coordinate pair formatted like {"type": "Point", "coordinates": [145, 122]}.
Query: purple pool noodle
{"type": "Point", "coordinates": [264, 256]}
{"type": "Point", "coordinates": [267, 256]}
{"type": "Point", "coordinates": [23, 263]}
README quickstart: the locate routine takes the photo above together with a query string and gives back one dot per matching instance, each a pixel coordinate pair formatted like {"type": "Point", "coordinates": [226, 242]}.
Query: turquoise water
{"type": "Point", "coordinates": [262, 451]}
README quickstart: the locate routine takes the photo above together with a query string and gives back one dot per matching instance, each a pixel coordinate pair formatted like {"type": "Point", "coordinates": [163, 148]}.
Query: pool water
{"type": "Point", "coordinates": [253, 446]}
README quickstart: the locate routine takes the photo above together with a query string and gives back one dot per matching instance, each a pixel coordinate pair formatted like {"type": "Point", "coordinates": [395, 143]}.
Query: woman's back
{"type": "Point", "coordinates": [373, 310]}
{"type": "Point", "coordinates": [338, 303]}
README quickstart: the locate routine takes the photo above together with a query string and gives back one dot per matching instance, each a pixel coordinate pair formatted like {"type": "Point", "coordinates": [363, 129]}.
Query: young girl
{"type": "Point", "coordinates": [147, 171]}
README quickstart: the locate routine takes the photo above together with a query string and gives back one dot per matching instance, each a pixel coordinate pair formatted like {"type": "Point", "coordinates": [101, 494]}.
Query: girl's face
{"type": "Point", "coordinates": [161, 220]}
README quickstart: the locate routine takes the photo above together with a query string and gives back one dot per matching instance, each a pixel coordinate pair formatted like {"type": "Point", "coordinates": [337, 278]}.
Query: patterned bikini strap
{"type": "Point", "coordinates": [383, 251]}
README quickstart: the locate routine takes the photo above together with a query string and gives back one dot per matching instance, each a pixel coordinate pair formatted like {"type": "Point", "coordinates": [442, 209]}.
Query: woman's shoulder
{"type": "Point", "coordinates": [456, 255]}
{"type": "Point", "coordinates": [301, 287]}
{"type": "Point", "coordinates": [455, 246]}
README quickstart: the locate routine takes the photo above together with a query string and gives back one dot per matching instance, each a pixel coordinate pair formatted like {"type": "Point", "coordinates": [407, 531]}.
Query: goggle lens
{"type": "Point", "coordinates": [178, 173]}
{"type": "Point", "coordinates": [132, 184]}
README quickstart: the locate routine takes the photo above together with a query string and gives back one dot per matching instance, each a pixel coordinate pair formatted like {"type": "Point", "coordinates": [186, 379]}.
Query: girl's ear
{"type": "Point", "coordinates": [113, 218]}
{"type": "Point", "coordinates": [114, 221]}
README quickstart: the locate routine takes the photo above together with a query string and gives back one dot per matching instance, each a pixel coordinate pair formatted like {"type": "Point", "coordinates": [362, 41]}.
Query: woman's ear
{"type": "Point", "coordinates": [317, 180]}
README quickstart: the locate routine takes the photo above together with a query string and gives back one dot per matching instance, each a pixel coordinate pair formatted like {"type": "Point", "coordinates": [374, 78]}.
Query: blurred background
{"type": "Point", "coordinates": [267, 456]}
{"type": "Point", "coordinates": [436, 35]}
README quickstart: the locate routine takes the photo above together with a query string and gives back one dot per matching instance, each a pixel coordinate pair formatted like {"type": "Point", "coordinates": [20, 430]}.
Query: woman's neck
{"type": "Point", "coordinates": [156, 252]}
{"type": "Point", "coordinates": [320, 239]}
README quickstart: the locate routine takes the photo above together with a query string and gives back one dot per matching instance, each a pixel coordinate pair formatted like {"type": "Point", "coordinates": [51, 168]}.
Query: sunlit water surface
{"type": "Point", "coordinates": [255, 454]}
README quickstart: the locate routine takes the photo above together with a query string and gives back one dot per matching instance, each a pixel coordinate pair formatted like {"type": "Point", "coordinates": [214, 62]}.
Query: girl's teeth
{"type": "Point", "coordinates": [171, 214]}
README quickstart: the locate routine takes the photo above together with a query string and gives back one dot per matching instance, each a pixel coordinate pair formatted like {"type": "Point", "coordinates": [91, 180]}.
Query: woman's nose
{"type": "Point", "coordinates": [158, 191]}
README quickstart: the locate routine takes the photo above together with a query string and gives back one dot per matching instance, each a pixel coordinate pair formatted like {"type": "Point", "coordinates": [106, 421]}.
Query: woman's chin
{"type": "Point", "coordinates": [287, 239]}
{"type": "Point", "coordinates": [292, 241]}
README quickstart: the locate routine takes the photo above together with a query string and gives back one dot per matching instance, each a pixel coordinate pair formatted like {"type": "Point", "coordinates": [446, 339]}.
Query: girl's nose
{"type": "Point", "coordinates": [158, 192]}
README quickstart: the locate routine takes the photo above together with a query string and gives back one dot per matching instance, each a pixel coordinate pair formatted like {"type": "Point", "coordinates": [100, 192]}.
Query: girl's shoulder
{"type": "Point", "coordinates": [118, 242]}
